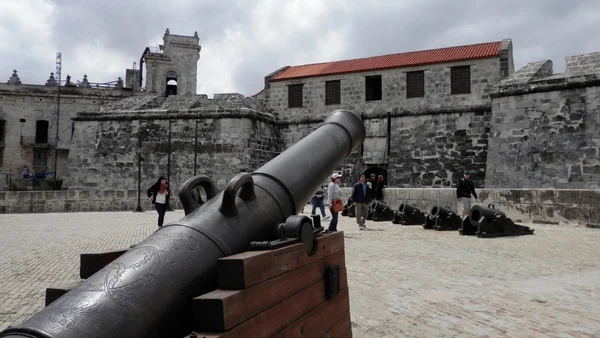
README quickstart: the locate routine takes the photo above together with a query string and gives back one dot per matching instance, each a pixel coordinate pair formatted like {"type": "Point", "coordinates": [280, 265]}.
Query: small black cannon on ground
{"type": "Point", "coordinates": [491, 222]}
{"type": "Point", "coordinates": [349, 209]}
{"type": "Point", "coordinates": [381, 212]}
{"type": "Point", "coordinates": [441, 218]}
{"type": "Point", "coordinates": [409, 215]}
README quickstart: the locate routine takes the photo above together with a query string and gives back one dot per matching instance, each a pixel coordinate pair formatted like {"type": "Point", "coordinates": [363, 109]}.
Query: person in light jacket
{"type": "Point", "coordinates": [333, 194]}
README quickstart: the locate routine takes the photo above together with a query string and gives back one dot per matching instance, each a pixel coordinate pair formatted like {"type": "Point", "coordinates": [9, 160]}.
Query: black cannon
{"type": "Point", "coordinates": [441, 218]}
{"type": "Point", "coordinates": [409, 215]}
{"type": "Point", "coordinates": [381, 212]}
{"type": "Point", "coordinates": [148, 290]}
{"type": "Point", "coordinates": [349, 209]}
{"type": "Point", "coordinates": [491, 222]}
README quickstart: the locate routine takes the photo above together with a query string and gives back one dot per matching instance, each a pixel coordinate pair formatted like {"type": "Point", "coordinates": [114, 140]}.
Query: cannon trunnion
{"type": "Point", "coordinates": [491, 222]}
{"type": "Point", "coordinates": [148, 290]}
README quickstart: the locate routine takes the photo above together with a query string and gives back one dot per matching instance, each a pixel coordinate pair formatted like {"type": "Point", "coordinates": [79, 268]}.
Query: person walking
{"type": "Point", "coordinates": [464, 189]}
{"type": "Point", "coordinates": [158, 194]}
{"type": "Point", "coordinates": [318, 201]}
{"type": "Point", "coordinates": [361, 197]}
{"type": "Point", "coordinates": [334, 200]}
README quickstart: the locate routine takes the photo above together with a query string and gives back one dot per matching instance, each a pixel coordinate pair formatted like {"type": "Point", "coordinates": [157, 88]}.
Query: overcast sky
{"type": "Point", "coordinates": [244, 40]}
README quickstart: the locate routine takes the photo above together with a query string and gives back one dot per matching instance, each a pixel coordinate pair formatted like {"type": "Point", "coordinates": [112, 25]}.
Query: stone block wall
{"type": "Point", "coordinates": [544, 127]}
{"type": "Point", "coordinates": [218, 143]}
{"type": "Point", "coordinates": [37, 102]}
{"type": "Point", "coordinates": [484, 74]}
{"type": "Point", "coordinates": [545, 206]}
{"type": "Point", "coordinates": [74, 201]}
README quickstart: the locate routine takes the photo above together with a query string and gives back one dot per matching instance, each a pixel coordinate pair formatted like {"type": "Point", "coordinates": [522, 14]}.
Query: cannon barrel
{"type": "Point", "coordinates": [478, 211]}
{"type": "Point", "coordinates": [147, 291]}
{"type": "Point", "coordinates": [406, 209]}
{"type": "Point", "coordinates": [439, 211]}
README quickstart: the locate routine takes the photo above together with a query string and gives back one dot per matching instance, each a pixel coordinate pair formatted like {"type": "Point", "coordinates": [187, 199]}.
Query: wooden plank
{"type": "Point", "coordinates": [277, 317]}
{"type": "Point", "coordinates": [343, 329]}
{"type": "Point", "coordinates": [320, 320]}
{"type": "Point", "coordinates": [221, 310]}
{"type": "Point", "coordinates": [55, 292]}
{"type": "Point", "coordinates": [90, 263]}
{"type": "Point", "coordinates": [250, 268]}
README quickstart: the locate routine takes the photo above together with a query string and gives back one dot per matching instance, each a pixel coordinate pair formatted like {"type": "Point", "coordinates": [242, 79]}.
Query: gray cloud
{"type": "Point", "coordinates": [242, 41]}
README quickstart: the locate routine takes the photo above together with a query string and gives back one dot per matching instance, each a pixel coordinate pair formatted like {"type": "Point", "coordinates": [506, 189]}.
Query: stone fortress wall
{"type": "Point", "coordinates": [502, 129]}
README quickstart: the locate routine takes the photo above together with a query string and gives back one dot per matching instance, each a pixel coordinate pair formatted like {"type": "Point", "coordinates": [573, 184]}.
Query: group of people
{"type": "Point", "coordinates": [363, 193]}
{"type": "Point", "coordinates": [330, 197]}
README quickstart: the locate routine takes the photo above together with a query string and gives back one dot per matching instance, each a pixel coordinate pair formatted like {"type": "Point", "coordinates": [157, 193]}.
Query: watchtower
{"type": "Point", "coordinates": [172, 69]}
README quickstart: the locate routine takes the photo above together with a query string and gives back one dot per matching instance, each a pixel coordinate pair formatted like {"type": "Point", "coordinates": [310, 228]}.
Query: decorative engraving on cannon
{"type": "Point", "coordinates": [490, 222]}
{"type": "Point", "coordinates": [409, 215]}
{"type": "Point", "coordinates": [148, 290]}
{"type": "Point", "coordinates": [441, 218]}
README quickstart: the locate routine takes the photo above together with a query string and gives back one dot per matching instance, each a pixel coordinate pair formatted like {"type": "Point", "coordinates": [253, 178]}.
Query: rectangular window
{"type": "Point", "coordinates": [333, 92]}
{"type": "Point", "coordinates": [2, 131]}
{"type": "Point", "coordinates": [373, 88]}
{"type": "Point", "coordinates": [41, 131]}
{"type": "Point", "coordinates": [415, 84]}
{"type": "Point", "coordinates": [295, 95]}
{"type": "Point", "coordinates": [460, 80]}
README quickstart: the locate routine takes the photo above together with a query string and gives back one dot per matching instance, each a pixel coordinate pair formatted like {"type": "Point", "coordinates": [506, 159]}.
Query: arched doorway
{"type": "Point", "coordinates": [171, 83]}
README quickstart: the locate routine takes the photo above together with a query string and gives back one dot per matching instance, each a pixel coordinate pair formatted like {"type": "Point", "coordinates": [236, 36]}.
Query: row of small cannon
{"type": "Point", "coordinates": [481, 221]}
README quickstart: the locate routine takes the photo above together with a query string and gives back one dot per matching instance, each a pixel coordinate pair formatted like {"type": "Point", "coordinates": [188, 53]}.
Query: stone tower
{"type": "Point", "coordinates": [173, 69]}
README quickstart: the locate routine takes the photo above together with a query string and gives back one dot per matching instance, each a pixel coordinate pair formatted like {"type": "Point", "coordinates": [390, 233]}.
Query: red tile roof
{"type": "Point", "coordinates": [401, 60]}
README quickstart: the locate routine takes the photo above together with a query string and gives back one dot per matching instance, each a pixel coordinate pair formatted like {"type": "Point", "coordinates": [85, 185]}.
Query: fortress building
{"type": "Point", "coordinates": [430, 115]}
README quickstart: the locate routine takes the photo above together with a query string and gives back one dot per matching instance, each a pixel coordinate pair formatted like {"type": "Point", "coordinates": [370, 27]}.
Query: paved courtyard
{"type": "Point", "coordinates": [404, 281]}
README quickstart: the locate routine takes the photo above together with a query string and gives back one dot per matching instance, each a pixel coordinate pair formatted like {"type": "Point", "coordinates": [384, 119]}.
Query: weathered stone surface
{"type": "Point", "coordinates": [544, 134]}
{"type": "Point", "coordinates": [219, 137]}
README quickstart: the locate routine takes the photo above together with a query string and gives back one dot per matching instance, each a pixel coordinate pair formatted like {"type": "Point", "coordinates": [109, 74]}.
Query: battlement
{"type": "Point", "coordinates": [581, 71]}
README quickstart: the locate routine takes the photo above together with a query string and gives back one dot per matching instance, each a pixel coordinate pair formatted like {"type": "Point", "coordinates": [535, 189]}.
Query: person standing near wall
{"type": "Point", "coordinates": [464, 189]}
{"type": "Point", "coordinates": [378, 189]}
{"type": "Point", "coordinates": [158, 194]}
{"type": "Point", "coordinates": [361, 197]}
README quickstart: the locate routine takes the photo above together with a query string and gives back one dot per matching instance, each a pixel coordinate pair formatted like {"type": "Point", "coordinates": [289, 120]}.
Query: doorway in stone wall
{"type": "Point", "coordinates": [171, 83]}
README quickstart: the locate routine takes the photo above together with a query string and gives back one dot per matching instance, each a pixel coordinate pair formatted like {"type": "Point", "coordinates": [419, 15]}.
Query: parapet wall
{"type": "Point", "coordinates": [547, 206]}
{"type": "Point", "coordinates": [544, 127]}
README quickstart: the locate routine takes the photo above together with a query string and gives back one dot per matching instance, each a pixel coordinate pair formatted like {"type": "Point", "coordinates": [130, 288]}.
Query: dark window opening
{"type": "Point", "coordinates": [333, 92]}
{"type": "Point", "coordinates": [72, 129]}
{"type": "Point", "coordinates": [41, 131]}
{"type": "Point", "coordinates": [460, 80]}
{"type": "Point", "coordinates": [171, 83]}
{"type": "Point", "coordinates": [373, 88]}
{"type": "Point", "coordinates": [2, 130]}
{"type": "Point", "coordinates": [295, 95]}
{"type": "Point", "coordinates": [415, 84]}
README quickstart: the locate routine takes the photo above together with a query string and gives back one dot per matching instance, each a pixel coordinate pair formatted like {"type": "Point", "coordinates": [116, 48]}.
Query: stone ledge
{"type": "Point", "coordinates": [549, 206]}
{"type": "Point", "coordinates": [74, 201]}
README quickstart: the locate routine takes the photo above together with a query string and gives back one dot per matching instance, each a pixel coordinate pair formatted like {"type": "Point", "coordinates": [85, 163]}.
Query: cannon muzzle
{"type": "Point", "coordinates": [147, 291]}
{"type": "Point", "coordinates": [477, 212]}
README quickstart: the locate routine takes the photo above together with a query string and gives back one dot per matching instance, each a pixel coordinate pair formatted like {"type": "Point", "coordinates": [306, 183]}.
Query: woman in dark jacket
{"type": "Point", "coordinates": [158, 194]}
{"type": "Point", "coordinates": [378, 189]}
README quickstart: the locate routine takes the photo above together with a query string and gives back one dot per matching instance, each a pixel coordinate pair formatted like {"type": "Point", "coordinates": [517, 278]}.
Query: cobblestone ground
{"type": "Point", "coordinates": [404, 281]}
